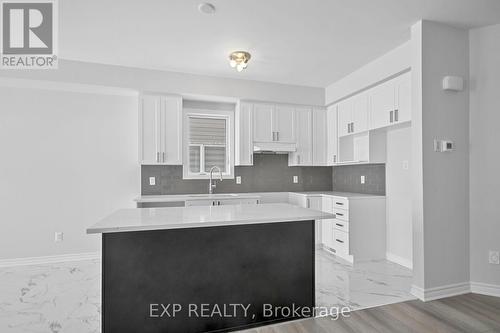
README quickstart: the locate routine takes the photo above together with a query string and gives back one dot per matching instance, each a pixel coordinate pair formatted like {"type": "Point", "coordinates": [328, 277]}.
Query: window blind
{"type": "Point", "coordinates": [207, 131]}
{"type": "Point", "coordinates": [207, 144]}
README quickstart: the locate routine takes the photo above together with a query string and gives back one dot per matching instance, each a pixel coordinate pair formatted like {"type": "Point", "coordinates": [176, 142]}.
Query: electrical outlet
{"type": "Point", "coordinates": [363, 179]}
{"type": "Point", "coordinates": [494, 258]}
{"type": "Point", "coordinates": [152, 181]}
{"type": "Point", "coordinates": [406, 165]}
{"type": "Point", "coordinates": [295, 179]}
{"type": "Point", "coordinates": [238, 180]}
{"type": "Point", "coordinates": [58, 236]}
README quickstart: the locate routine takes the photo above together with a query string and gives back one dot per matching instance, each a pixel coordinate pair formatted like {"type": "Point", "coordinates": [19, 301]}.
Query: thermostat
{"type": "Point", "coordinates": [442, 146]}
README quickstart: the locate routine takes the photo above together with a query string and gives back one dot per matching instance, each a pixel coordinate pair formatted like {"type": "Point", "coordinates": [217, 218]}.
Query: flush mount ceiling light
{"type": "Point", "coordinates": [206, 8]}
{"type": "Point", "coordinates": [239, 60]}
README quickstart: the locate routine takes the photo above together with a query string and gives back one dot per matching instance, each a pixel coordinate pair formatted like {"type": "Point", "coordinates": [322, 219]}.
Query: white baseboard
{"type": "Point", "coordinates": [399, 260]}
{"type": "Point", "coordinates": [449, 290]}
{"type": "Point", "coordinates": [485, 289]}
{"type": "Point", "coordinates": [49, 259]}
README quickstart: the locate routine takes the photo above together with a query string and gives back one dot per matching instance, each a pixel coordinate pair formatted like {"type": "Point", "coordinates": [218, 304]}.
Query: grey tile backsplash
{"type": "Point", "coordinates": [347, 178]}
{"type": "Point", "coordinates": [270, 173]}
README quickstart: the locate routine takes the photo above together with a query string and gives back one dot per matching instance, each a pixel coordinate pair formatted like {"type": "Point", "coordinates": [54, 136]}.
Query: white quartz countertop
{"type": "Point", "coordinates": [220, 196]}
{"type": "Point", "coordinates": [191, 197]}
{"type": "Point", "coordinates": [140, 219]}
{"type": "Point", "coordinates": [348, 195]}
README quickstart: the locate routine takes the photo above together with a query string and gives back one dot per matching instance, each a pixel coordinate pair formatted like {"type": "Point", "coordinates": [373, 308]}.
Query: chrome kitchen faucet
{"type": "Point", "coordinates": [214, 185]}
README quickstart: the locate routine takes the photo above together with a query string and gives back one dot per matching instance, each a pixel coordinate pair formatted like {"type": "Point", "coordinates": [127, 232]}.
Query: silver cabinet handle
{"type": "Point", "coordinates": [334, 158]}
{"type": "Point", "coordinates": [308, 203]}
{"type": "Point", "coordinates": [164, 157]}
{"type": "Point", "coordinates": [339, 214]}
{"type": "Point", "coordinates": [339, 203]}
{"type": "Point", "coordinates": [391, 116]}
{"type": "Point", "coordinates": [352, 127]}
{"type": "Point", "coordinates": [338, 224]}
{"type": "Point", "coordinates": [349, 128]}
{"type": "Point", "coordinates": [274, 136]}
{"type": "Point", "coordinates": [157, 157]}
{"type": "Point", "coordinates": [340, 241]}
{"type": "Point", "coordinates": [396, 115]}
{"type": "Point", "coordinates": [277, 136]}
{"type": "Point", "coordinates": [298, 159]}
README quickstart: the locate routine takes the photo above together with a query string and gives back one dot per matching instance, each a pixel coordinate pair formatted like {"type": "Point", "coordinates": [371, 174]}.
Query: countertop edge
{"type": "Point", "coordinates": [191, 225]}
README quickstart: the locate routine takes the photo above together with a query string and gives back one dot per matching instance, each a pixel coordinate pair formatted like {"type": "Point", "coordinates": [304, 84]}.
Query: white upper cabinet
{"type": "Point", "coordinates": [284, 123]}
{"type": "Point", "coordinates": [172, 135]}
{"type": "Point", "coordinates": [382, 101]}
{"type": "Point", "coordinates": [263, 119]}
{"type": "Point", "coordinates": [391, 102]}
{"type": "Point", "coordinates": [332, 135]}
{"type": "Point", "coordinates": [403, 98]}
{"type": "Point", "coordinates": [244, 134]}
{"type": "Point", "coordinates": [303, 131]}
{"type": "Point", "coordinates": [359, 113]}
{"type": "Point", "coordinates": [319, 137]}
{"type": "Point", "coordinates": [344, 117]}
{"type": "Point", "coordinates": [273, 123]}
{"type": "Point", "coordinates": [353, 115]}
{"type": "Point", "coordinates": [150, 138]}
{"type": "Point", "coordinates": [160, 121]}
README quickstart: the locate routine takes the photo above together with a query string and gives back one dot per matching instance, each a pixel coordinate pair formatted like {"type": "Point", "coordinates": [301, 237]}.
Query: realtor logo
{"type": "Point", "coordinates": [29, 34]}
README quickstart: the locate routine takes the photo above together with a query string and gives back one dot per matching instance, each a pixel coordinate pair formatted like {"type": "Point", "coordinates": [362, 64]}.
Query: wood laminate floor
{"type": "Point", "coordinates": [470, 313]}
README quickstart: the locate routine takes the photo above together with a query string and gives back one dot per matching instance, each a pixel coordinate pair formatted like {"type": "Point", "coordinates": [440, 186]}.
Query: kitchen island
{"type": "Point", "coordinates": [206, 268]}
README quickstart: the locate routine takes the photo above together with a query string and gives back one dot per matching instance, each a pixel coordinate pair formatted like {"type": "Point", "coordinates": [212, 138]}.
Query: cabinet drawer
{"type": "Point", "coordinates": [342, 203]}
{"type": "Point", "coordinates": [341, 241]}
{"type": "Point", "coordinates": [341, 225]}
{"type": "Point", "coordinates": [341, 214]}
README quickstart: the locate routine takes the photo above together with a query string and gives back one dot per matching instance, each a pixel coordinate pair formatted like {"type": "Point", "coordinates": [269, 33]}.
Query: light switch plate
{"type": "Point", "coordinates": [363, 179]}
{"type": "Point", "coordinates": [494, 258]}
{"type": "Point", "coordinates": [295, 179]}
{"type": "Point", "coordinates": [58, 236]}
{"type": "Point", "coordinates": [152, 181]}
{"type": "Point", "coordinates": [238, 180]}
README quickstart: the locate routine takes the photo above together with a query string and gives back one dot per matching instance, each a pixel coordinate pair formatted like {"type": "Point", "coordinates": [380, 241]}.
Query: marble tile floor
{"type": "Point", "coordinates": [65, 297]}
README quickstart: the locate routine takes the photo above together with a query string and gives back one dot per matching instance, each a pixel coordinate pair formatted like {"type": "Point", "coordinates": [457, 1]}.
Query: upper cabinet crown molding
{"type": "Point", "coordinates": [160, 129]}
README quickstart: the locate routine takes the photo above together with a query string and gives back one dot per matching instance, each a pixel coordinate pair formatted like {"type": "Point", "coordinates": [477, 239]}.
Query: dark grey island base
{"type": "Point", "coordinates": [149, 275]}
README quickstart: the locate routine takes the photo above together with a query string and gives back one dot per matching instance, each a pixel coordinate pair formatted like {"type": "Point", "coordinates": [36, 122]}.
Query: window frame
{"type": "Point", "coordinates": [198, 113]}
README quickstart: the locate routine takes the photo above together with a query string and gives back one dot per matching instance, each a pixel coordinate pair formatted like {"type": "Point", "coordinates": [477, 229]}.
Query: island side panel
{"type": "Point", "coordinates": [269, 263]}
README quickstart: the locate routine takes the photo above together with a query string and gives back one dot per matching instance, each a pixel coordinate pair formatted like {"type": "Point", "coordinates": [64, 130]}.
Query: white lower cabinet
{"type": "Point", "coordinates": [315, 202]}
{"type": "Point", "coordinates": [357, 233]}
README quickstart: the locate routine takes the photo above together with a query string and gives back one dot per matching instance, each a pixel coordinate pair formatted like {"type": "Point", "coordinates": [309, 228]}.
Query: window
{"type": "Point", "coordinates": [207, 144]}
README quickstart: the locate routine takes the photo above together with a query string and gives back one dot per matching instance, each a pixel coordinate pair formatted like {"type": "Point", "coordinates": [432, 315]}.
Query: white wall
{"type": "Point", "coordinates": [484, 153]}
{"type": "Point", "coordinates": [68, 160]}
{"type": "Point", "coordinates": [394, 62]}
{"type": "Point", "coordinates": [398, 193]}
{"type": "Point", "coordinates": [173, 83]}
{"type": "Point", "coordinates": [441, 180]}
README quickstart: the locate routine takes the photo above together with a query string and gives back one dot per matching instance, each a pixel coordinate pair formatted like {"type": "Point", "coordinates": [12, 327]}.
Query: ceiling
{"type": "Point", "coordinates": [301, 42]}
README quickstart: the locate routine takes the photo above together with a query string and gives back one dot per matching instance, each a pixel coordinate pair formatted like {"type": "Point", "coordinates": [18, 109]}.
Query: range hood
{"type": "Point", "coordinates": [274, 147]}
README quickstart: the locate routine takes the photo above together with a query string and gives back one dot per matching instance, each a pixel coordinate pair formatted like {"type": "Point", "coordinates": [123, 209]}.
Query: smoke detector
{"type": "Point", "coordinates": [206, 8]}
